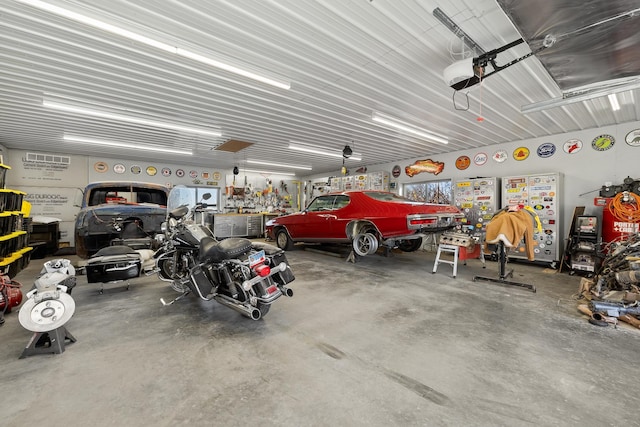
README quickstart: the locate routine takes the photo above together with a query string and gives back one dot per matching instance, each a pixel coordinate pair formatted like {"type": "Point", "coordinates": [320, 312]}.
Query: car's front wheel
{"type": "Point", "coordinates": [410, 245]}
{"type": "Point", "coordinates": [283, 240]}
{"type": "Point", "coordinates": [365, 244]}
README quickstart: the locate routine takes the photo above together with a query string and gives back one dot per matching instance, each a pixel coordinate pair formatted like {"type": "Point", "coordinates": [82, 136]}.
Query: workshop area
{"type": "Point", "coordinates": [319, 213]}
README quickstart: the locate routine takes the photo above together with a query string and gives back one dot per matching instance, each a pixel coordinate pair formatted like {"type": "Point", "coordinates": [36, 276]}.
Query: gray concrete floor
{"type": "Point", "coordinates": [381, 342]}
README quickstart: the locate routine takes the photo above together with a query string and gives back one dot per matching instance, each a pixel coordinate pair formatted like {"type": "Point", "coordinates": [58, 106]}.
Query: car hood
{"type": "Point", "coordinates": [119, 210]}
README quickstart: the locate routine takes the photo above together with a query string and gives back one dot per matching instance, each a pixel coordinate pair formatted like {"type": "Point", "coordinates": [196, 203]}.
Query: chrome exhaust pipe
{"type": "Point", "coordinates": [288, 292]}
{"type": "Point", "coordinates": [250, 312]}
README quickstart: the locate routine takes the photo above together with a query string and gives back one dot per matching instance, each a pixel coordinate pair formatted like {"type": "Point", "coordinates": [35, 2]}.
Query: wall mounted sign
{"type": "Point", "coordinates": [500, 156]}
{"type": "Point", "coordinates": [135, 169]}
{"type": "Point", "coordinates": [193, 174]}
{"type": "Point", "coordinates": [165, 172]}
{"type": "Point", "coordinates": [463, 162]}
{"type": "Point", "coordinates": [179, 173]}
{"type": "Point", "coordinates": [101, 167]}
{"type": "Point", "coordinates": [395, 172]}
{"type": "Point", "coordinates": [520, 153]}
{"type": "Point", "coordinates": [546, 150]}
{"type": "Point", "coordinates": [151, 170]}
{"type": "Point", "coordinates": [119, 168]}
{"type": "Point", "coordinates": [205, 175]}
{"type": "Point", "coordinates": [426, 165]}
{"type": "Point", "coordinates": [217, 176]}
{"type": "Point", "coordinates": [603, 142]}
{"type": "Point", "coordinates": [572, 146]}
{"type": "Point", "coordinates": [480, 159]}
{"type": "Point", "coordinates": [633, 138]}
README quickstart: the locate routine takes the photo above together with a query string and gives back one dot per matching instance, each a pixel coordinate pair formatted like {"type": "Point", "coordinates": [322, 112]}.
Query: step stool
{"type": "Point", "coordinates": [452, 249]}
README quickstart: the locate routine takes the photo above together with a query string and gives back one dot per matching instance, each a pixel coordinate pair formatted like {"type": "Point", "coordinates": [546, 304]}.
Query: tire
{"type": "Point", "coordinates": [264, 309]}
{"type": "Point", "coordinates": [165, 269]}
{"type": "Point", "coordinates": [283, 240]}
{"type": "Point", "coordinates": [365, 244]}
{"type": "Point", "coordinates": [410, 245]}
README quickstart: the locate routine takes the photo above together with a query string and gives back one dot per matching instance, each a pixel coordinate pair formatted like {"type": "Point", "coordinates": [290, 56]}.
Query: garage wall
{"type": "Point", "coordinates": [585, 171]}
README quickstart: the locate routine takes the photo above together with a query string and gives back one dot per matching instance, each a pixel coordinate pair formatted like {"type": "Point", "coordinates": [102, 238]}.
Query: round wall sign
{"type": "Point", "coordinates": [520, 153]}
{"type": "Point", "coordinates": [500, 156]}
{"type": "Point", "coordinates": [217, 176]}
{"type": "Point", "coordinates": [633, 138]}
{"type": "Point", "coordinates": [100, 167]}
{"type": "Point", "coordinates": [179, 173]}
{"type": "Point", "coordinates": [165, 172]}
{"type": "Point", "coordinates": [480, 159]}
{"type": "Point", "coordinates": [119, 168]}
{"type": "Point", "coordinates": [463, 162]}
{"type": "Point", "coordinates": [151, 170]}
{"type": "Point", "coordinates": [603, 142]}
{"type": "Point", "coordinates": [135, 169]}
{"type": "Point", "coordinates": [395, 172]}
{"type": "Point", "coordinates": [572, 146]}
{"type": "Point", "coordinates": [546, 150]}
{"type": "Point", "coordinates": [193, 174]}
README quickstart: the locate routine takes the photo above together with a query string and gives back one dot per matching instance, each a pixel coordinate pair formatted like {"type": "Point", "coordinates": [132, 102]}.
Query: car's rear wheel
{"type": "Point", "coordinates": [365, 244]}
{"type": "Point", "coordinates": [410, 245]}
{"type": "Point", "coordinates": [283, 240]}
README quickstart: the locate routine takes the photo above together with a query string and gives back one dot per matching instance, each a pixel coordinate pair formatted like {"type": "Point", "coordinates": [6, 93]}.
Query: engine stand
{"type": "Point", "coordinates": [48, 342]}
{"type": "Point", "coordinates": [504, 274]}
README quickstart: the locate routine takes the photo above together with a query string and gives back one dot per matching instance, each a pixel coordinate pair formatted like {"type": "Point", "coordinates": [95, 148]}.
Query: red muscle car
{"type": "Point", "coordinates": [365, 219]}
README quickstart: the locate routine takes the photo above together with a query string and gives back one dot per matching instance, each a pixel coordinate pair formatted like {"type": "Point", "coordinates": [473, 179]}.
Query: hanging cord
{"type": "Point", "coordinates": [481, 72]}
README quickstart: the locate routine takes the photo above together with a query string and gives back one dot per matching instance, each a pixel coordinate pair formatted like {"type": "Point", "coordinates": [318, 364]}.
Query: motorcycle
{"type": "Point", "coordinates": [236, 272]}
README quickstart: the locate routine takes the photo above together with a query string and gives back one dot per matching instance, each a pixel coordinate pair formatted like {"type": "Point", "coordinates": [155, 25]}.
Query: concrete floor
{"type": "Point", "coordinates": [381, 342]}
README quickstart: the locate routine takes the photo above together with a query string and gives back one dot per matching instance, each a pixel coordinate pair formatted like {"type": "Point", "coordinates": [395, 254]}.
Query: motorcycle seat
{"type": "Point", "coordinates": [217, 251]}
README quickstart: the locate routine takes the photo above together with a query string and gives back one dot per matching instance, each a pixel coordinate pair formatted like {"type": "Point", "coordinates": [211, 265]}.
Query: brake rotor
{"type": "Point", "coordinates": [48, 314]}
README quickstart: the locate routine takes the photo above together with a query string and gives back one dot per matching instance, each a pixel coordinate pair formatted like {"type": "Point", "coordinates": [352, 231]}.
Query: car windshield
{"type": "Point", "coordinates": [127, 195]}
{"type": "Point", "coordinates": [388, 197]}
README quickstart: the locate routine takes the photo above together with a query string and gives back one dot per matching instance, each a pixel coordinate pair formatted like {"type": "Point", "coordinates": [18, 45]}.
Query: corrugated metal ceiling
{"type": "Point", "coordinates": [343, 59]}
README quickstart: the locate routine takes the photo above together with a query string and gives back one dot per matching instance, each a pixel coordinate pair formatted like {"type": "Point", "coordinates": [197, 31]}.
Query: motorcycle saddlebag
{"type": "Point", "coordinates": [113, 263]}
{"type": "Point", "coordinates": [287, 275]}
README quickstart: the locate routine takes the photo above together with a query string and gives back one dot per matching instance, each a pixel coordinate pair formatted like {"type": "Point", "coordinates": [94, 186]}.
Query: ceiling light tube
{"type": "Point", "coordinates": [153, 43]}
{"type": "Point", "coordinates": [613, 100]}
{"type": "Point", "coordinates": [130, 119]}
{"type": "Point", "coordinates": [268, 172]}
{"type": "Point", "coordinates": [125, 145]}
{"type": "Point", "coordinates": [338, 154]}
{"type": "Point", "coordinates": [257, 162]}
{"type": "Point", "coordinates": [569, 98]}
{"type": "Point", "coordinates": [406, 127]}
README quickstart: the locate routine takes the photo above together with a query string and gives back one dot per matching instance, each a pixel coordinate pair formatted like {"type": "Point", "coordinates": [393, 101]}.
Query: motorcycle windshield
{"type": "Point", "coordinates": [181, 196]}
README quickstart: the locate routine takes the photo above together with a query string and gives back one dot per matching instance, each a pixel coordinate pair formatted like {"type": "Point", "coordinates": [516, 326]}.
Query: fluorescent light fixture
{"type": "Point", "coordinates": [613, 100]}
{"type": "Point", "coordinates": [406, 127]}
{"type": "Point", "coordinates": [153, 43]}
{"type": "Point", "coordinates": [298, 147]}
{"type": "Point", "coordinates": [268, 172]}
{"type": "Point", "coordinates": [93, 141]}
{"type": "Point", "coordinates": [257, 162]}
{"type": "Point", "coordinates": [125, 118]}
{"type": "Point", "coordinates": [569, 98]}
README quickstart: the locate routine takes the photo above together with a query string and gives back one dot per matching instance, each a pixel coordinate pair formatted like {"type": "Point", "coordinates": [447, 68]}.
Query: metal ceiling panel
{"type": "Point", "coordinates": [344, 60]}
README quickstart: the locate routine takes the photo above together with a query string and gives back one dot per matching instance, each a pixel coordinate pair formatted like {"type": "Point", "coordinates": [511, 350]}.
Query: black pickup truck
{"type": "Point", "coordinates": [125, 213]}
